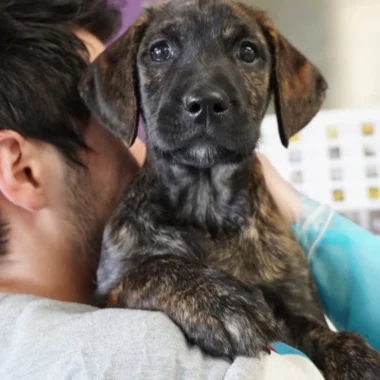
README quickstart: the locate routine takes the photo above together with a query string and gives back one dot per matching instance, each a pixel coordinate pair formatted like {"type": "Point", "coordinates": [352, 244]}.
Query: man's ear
{"type": "Point", "coordinates": [20, 180]}
{"type": "Point", "coordinates": [110, 84]}
{"type": "Point", "coordinates": [299, 88]}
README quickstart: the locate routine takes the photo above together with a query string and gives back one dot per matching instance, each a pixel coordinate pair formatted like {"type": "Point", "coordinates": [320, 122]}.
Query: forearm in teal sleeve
{"type": "Point", "coordinates": [345, 262]}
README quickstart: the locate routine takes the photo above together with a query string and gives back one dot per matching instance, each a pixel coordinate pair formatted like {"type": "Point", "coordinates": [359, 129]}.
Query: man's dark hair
{"type": "Point", "coordinates": [41, 63]}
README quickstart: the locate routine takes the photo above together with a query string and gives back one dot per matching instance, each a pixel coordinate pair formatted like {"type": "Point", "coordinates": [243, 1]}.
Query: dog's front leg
{"type": "Point", "coordinates": [217, 312]}
{"type": "Point", "coordinates": [339, 355]}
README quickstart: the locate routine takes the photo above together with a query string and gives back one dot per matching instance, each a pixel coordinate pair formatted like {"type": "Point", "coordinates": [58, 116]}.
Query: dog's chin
{"type": "Point", "coordinates": [203, 156]}
{"type": "Point", "coordinates": [199, 156]}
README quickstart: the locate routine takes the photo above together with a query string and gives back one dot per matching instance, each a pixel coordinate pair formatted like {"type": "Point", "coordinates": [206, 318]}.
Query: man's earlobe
{"type": "Point", "coordinates": [20, 180]}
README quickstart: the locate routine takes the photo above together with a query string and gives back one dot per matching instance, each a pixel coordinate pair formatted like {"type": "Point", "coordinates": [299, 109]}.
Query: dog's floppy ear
{"type": "Point", "coordinates": [299, 89]}
{"type": "Point", "coordinates": [109, 86]}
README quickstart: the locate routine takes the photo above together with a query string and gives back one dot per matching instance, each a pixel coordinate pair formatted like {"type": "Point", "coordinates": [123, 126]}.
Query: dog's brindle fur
{"type": "Point", "coordinates": [198, 235]}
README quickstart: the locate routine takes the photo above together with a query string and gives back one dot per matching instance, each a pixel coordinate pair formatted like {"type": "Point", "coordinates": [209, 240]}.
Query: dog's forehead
{"type": "Point", "coordinates": [217, 17]}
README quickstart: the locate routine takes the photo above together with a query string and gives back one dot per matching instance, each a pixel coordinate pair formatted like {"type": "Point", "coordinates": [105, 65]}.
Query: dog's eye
{"type": "Point", "coordinates": [248, 52]}
{"type": "Point", "coordinates": [161, 51]}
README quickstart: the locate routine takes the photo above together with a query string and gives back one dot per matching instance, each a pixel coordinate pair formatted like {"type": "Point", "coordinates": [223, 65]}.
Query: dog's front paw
{"type": "Point", "coordinates": [225, 317]}
{"type": "Point", "coordinates": [216, 311]}
{"type": "Point", "coordinates": [349, 357]}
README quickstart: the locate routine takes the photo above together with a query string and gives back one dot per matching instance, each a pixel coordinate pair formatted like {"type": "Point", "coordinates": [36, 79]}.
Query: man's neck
{"type": "Point", "coordinates": [43, 280]}
{"type": "Point", "coordinates": [43, 266]}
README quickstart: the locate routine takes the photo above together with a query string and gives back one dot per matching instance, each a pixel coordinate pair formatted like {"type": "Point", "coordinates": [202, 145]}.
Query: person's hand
{"type": "Point", "coordinates": [282, 192]}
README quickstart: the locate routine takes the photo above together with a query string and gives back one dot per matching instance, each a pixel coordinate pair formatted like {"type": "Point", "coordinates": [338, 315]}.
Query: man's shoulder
{"type": "Point", "coordinates": [45, 339]}
{"type": "Point", "coordinates": [15, 309]}
{"type": "Point", "coordinates": [80, 337]}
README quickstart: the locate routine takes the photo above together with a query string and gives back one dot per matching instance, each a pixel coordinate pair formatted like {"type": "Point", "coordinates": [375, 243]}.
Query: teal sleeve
{"type": "Point", "coordinates": [345, 262]}
{"type": "Point", "coordinates": [284, 349]}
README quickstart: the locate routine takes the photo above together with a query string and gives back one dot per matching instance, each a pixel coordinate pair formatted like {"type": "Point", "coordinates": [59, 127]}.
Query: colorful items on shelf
{"type": "Point", "coordinates": [335, 159]}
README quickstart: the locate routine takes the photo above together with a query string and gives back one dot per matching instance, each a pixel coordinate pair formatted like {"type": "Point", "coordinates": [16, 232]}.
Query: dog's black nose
{"type": "Point", "coordinates": [211, 103]}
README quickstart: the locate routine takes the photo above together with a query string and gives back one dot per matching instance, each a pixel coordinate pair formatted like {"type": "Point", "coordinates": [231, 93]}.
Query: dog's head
{"type": "Point", "coordinates": [202, 73]}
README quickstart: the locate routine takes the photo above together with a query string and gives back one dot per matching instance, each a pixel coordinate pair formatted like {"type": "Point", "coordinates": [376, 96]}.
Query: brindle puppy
{"type": "Point", "coordinates": [198, 235]}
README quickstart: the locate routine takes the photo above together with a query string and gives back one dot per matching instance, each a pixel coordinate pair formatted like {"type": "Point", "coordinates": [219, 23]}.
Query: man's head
{"type": "Point", "coordinates": [203, 72]}
{"type": "Point", "coordinates": [60, 172]}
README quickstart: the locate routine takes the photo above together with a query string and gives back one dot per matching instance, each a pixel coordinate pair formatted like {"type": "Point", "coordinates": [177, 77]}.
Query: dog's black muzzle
{"type": "Point", "coordinates": [205, 121]}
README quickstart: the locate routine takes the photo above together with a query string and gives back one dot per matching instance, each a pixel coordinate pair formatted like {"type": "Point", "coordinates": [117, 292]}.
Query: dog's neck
{"type": "Point", "coordinates": [217, 199]}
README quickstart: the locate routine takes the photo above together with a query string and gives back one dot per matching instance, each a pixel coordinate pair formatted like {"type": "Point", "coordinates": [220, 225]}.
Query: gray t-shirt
{"type": "Point", "coordinates": [45, 339]}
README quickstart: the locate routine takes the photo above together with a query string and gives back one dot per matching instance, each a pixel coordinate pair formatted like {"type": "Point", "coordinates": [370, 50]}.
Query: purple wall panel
{"type": "Point", "coordinates": [130, 13]}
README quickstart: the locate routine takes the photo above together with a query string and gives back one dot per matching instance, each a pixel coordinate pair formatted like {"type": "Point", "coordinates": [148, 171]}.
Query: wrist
{"type": "Point", "coordinates": [285, 196]}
